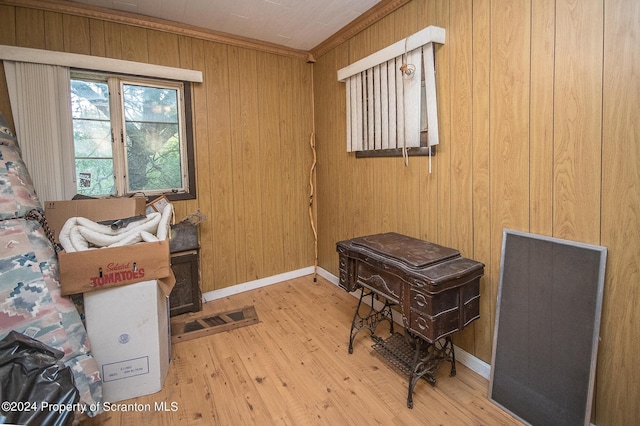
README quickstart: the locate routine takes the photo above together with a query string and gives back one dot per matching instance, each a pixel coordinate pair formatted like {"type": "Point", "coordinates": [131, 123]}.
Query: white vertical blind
{"type": "Point", "coordinates": [391, 104]}
{"type": "Point", "coordinates": [412, 99]}
{"type": "Point", "coordinates": [384, 105]}
{"type": "Point", "coordinates": [41, 105]}
{"type": "Point", "coordinates": [377, 131]}
{"type": "Point", "coordinates": [387, 103]}
{"type": "Point", "coordinates": [430, 94]}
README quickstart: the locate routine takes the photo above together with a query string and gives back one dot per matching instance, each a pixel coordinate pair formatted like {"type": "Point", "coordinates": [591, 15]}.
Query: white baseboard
{"type": "Point", "coordinates": [473, 363]}
{"type": "Point", "coordinates": [470, 361]}
{"type": "Point", "coordinates": [252, 285]}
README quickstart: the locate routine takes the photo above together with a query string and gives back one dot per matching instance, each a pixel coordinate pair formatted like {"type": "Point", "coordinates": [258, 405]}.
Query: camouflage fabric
{"type": "Point", "coordinates": [30, 299]}
{"type": "Point", "coordinates": [30, 303]}
{"type": "Point", "coordinates": [17, 195]}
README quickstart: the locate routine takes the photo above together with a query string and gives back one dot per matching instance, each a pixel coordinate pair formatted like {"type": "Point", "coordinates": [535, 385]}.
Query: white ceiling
{"type": "Point", "coordinates": [298, 24]}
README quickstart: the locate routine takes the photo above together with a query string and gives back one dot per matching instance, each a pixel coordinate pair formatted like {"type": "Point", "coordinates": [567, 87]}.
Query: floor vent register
{"type": "Point", "coordinates": [193, 326]}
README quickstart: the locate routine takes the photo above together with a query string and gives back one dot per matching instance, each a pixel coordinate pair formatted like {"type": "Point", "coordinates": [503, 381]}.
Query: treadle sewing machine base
{"type": "Point", "coordinates": [412, 356]}
{"type": "Point", "coordinates": [416, 360]}
{"type": "Point", "coordinates": [436, 290]}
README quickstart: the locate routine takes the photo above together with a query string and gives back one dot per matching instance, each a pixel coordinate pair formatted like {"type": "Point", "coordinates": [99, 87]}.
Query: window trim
{"type": "Point", "coordinates": [98, 64]}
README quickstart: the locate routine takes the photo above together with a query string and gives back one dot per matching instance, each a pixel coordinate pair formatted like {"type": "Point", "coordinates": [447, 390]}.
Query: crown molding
{"type": "Point", "coordinates": [371, 16]}
{"type": "Point", "coordinates": [377, 12]}
{"type": "Point", "coordinates": [94, 12]}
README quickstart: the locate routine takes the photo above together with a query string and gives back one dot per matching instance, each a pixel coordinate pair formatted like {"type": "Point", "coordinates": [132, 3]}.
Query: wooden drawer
{"type": "Point", "coordinates": [471, 298]}
{"type": "Point", "coordinates": [345, 281]}
{"type": "Point", "coordinates": [433, 305]}
{"type": "Point", "coordinates": [389, 285]}
{"type": "Point", "coordinates": [471, 311]}
{"type": "Point", "coordinates": [436, 315]}
{"type": "Point", "coordinates": [433, 328]}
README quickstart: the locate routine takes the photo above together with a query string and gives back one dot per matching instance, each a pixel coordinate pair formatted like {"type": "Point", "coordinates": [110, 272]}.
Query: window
{"type": "Point", "coordinates": [391, 98]}
{"type": "Point", "coordinates": [131, 135]}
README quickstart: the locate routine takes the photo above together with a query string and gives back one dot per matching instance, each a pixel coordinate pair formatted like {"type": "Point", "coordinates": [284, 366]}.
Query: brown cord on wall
{"type": "Point", "coordinates": [312, 143]}
{"type": "Point", "coordinates": [311, 220]}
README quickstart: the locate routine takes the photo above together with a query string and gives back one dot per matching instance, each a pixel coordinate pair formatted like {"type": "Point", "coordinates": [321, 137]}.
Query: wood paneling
{"type": "Point", "coordinates": [481, 174]}
{"type": "Point", "coordinates": [441, 167]}
{"type": "Point", "coordinates": [97, 37]}
{"type": "Point", "coordinates": [239, 145]}
{"type": "Point", "coordinates": [113, 40]}
{"type": "Point", "coordinates": [538, 132]}
{"type": "Point", "coordinates": [617, 392]}
{"type": "Point", "coordinates": [76, 35]}
{"type": "Point", "coordinates": [134, 44]}
{"type": "Point", "coordinates": [29, 28]}
{"type": "Point", "coordinates": [271, 164]}
{"type": "Point", "coordinates": [219, 136]}
{"type": "Point", "coordinates": [7, 25]}
{"type": "Point", "coordinates": [203, 169]}
{"type": "Point", "coordinates": [578, 119]}
{"type": "Point", "coordinates": [246, 147]}
{"type": "Point", "coordinates": [541, 111]}
{"type": "Point", "coordinates": [53, 30]}
{"type": "Point", "coordinates": [252, 120]}
{"type": "Point", "coordinates": [508, 121]}
{"type": "Point", "coordinates": [538, 104]}
{"type": "Point", "coordinates": [163, 49]}
{"type": "Point", "coordinates": [288, 149]}
{"type": "Point", "coordinates": [462, 137]}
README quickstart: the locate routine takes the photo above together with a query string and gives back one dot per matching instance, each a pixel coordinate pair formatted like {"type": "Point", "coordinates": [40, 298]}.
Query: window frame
{"type": "Point", "coordinates": [116, 81]}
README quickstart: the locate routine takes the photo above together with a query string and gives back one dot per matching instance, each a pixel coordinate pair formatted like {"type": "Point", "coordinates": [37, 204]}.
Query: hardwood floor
{"type": "Point", "coordinates": [293, 368]}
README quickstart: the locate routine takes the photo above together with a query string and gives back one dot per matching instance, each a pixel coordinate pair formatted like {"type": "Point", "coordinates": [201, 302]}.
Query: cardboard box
{"type": "Point", "coordinates": [130, 337]}
{"type": "Point", "coordinates": [57, 212]}
{"type": "Point", "coordinates": [85, 271]}
{"type": "Point", "coordinates": [90, 270]}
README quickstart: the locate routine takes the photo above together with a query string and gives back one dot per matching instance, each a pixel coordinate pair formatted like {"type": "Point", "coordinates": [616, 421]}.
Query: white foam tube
{"type": "Point", "coordinates": [99, 239]}
{"type": "Point", "coordinates": [163, 226]}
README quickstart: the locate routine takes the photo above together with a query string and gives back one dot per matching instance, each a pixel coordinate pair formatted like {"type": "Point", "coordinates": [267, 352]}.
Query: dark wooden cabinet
{"type": "Point", "coordinates": [186, 295]}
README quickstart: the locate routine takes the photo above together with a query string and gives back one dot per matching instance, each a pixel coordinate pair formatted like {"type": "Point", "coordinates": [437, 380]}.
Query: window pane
{"type": "Point", "coordinates": [92, 138]}
{"type": "Point", "coordinates": [90, 100]}
{"type": "Point", "coordinates": [152, 138]}
{"type": "Point", "coordinates": [150, 104]}
{"type": "Point", "coordinates": [153, 156]}
{"type": "Point", "coordinates": [95, 177]}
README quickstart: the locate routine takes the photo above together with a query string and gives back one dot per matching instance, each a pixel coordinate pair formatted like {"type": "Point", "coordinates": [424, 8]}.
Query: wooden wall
{"type": "Point", "coordinates": [538, 103]}
{"type": "Point", "coordinates": [538, 106]}
{"type": "Point", "coordinates": [252, 120]}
